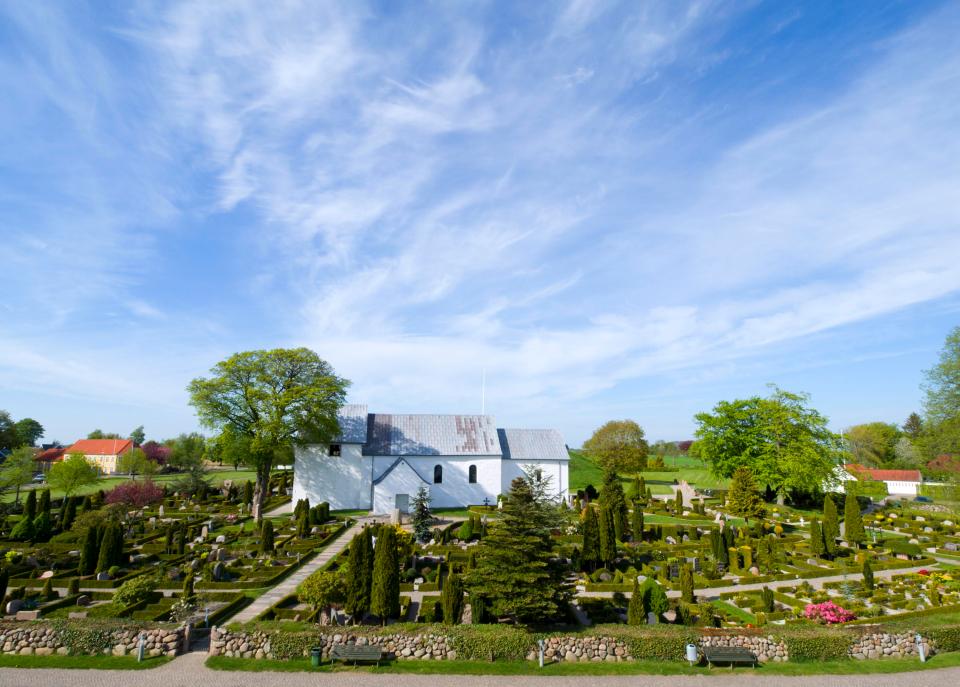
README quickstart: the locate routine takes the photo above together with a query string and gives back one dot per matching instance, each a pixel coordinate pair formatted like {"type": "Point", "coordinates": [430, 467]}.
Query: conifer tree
{"type": "Point", "coordinates": [654, 598]}
{"type": "Point", "coordinates": [767, 598]}
{"type": "Point", "coordinates": [608, 536]}
{"type": "Point", "coordinates": [517, 575]}
{"type": "Point", "coordinates": [68, 513]}
{"type": "Point", "coordinates": [108, 555]}
{"type": "Point", "coordinates": [590, 553]}
{"type": "Point", "coordinates": [744, 498]}
{"type": "Point", "coordinates": [88, 552]}
{"type": "Point", "coordinates": [868, 582]}
{"type": "Point", "coordinates": [43, 504]}
{"type": "Point", "coordinates": [360, 579]}
{"type": "Point", "coordinates": [611, 495]}
{"type": "Point", "coordinates": [421, 518]}
{"type": "Point", "coordinates": [248, 492]}
{"type": "Point", "coordinates": [182, 539]}
{"type": "Point", "coordinates": [816, 538]}
{"type": "Point", "coordinates": [385, 592]}
{"type": "Point", "coordinates": [678, 502]}
{"type": "Point", "coordinates": [452, 599]}
{"type": "Point", "coordinates": [831, 525]}
{"type": "Point", "coordinates": [686, 584]}
{"type": "Point", "coordinates": [303, 524]}
{"type": "Point", "coordinates": [266, 536]}
{"type": "Point", "coordinates": [637, 523]}
{"type": "Point", "coordinates": [853, 530]}
{"type": "Point", "coordinates": [636, 489]}
{"type": "Point", "coordinates": [187, 591]}
{"type": "Point", "coordinates": [635, 613]}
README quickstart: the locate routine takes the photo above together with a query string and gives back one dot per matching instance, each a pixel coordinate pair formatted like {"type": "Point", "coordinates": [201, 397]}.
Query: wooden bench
{"type": "Point", "coordinates": [355, 654]}
{"type": "Point", "coordinates": [729, 654]}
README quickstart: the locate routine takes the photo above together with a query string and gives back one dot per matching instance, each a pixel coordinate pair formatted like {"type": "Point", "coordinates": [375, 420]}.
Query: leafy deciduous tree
{"type": "Point", "coordinates": [619, 445]}
{"type": "Point", "coordinates": [71, 474]}
{"type": "Point", "coordinates": [275, 399]}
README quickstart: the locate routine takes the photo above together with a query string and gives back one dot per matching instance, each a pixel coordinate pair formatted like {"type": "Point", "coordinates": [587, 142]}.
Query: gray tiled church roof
{"type": "Point", "coordinates": [532, 444]}
{"type": "Point", "coordinates": [431, 435]}
{"type": "Point", "coordinates": [353, 423]}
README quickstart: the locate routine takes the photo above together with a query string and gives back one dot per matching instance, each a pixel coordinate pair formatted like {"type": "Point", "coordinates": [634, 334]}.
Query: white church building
{"type": "Point", "coordinates": [380, 460]}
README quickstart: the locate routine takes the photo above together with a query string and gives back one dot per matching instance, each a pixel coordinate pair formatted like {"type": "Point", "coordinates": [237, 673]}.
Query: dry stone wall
{"type": "Point", "coordinates": [885, 644]}
{"type": "Point", "coordinates": [46, 639]}
{"type": "Point", "coordinates": [569, 648]}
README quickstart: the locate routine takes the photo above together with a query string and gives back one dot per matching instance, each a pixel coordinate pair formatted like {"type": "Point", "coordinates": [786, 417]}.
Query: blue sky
{"type": "Point", "coordinates": [615, 209]}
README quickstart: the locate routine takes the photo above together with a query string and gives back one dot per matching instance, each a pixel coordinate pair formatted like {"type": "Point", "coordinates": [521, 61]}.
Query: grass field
{"type": "Point", "coordinates": [841, 667]}
{"type": "Point", "coordinates": [584, 471]}
{"type": "Point", "coordinates": [108, 483]}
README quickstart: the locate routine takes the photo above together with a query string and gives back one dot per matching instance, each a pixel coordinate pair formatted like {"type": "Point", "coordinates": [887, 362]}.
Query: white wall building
{"type": "Point", "coordinates": [380, 460]}
{"type": "Point", "coordinates": [899, 482]}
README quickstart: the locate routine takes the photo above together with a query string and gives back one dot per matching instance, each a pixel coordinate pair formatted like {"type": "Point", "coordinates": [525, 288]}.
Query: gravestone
{"type": "Point", "coordinates": [218, 572]}
{"type": "Point", "coordinates": [160, 511]}
{"type": "Point", "coordinates": [204, 532]}
{"type": "Point", "coordinates": [103, 576]}
{"type": "Point", "coordinates": [28, 615]}
{"type": "Point", "coordinates": [46, 574]}
{"type": "Point", "coordinates": [221, 539]}
{"type": "Point", "coordinates": [83, 600]}
{"type": "Point", "coordinates": [652, 618]}
{"type": "Point", "coordinates": [14, 606]}
{"type": "Point", "coordinates": [77, 615]}
{"type": "Point", "coordinates": [950, 546]}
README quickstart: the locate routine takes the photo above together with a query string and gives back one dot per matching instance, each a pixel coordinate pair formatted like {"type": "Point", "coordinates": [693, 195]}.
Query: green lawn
{"type": "Point", "coordinates": [84, 662]}
{"type": "Point", "coordinates": [584, 471]}
{"type": "Point", "coordinates": [108, 483]}
{"type": "Point", "coordinates": [646, 667]}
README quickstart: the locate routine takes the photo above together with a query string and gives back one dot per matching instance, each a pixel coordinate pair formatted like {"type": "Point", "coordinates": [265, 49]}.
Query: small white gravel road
{"type": "Point", "coordinates": [189, 671]}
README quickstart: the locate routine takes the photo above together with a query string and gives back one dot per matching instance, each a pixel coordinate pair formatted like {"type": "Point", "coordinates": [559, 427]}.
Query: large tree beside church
{"type": "Point", "coordinates": [274, 399]}
{"type": "Point", "coordinates": [785, 443]}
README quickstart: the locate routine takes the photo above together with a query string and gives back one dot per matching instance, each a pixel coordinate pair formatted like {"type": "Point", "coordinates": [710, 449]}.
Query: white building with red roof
{"type": "Point", "coordinates": [104, 453]}
{"type": "Point", "coordinates": [899, 482]}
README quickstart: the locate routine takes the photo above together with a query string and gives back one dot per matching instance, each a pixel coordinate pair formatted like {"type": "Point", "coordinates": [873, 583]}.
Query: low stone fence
{"type": "Point", "coordinates": [437, 646]}
{"type": "Point", "coordinates": [48, 638]}
{"type": "Point", "coordinates": [886, 644]}
{"type": "Point", "coordinates": [262, 645]}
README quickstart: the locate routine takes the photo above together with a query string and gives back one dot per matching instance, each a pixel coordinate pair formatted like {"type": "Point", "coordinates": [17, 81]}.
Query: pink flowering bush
{"type": "Point", "coordinates": [135, 494]}
{"type": "Point", "coordinates": [828, 613]}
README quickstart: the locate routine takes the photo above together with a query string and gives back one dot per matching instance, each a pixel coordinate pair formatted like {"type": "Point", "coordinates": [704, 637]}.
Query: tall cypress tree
{"type": "Point", "coordinates": [266, 536]}
{"type": "Point", "coordinates": [385, 592]}
{"type": "Point", "coordinates": [853, 530]}
{"type": "Point", "coordinates": [867, 575]}
{"type": "Point", "coordinates": [108, 555]}
{"type": "Point", "coordinates": [686, 584]}
{"type": "Point", "coordinates": [611, 495]}
{"type": "Point", "coordinates": [831, 524]}
{"type": "Point", "coordinates": [452, 599]}
{"type": "Point", "coordinates": [635, 613]}
{"type": "Point", "coordinates": [816, 538]}
{"type": "Point", "coordinates": [636, 490]}
{"type": "Point", "coordinates": [637, 522]}
{"type": "Point", "coordinates": [608, 536]}
{"type": "Point", "coordinates": [678, 502]}
{"type": "Point", "coordinates": [68, 513]}
{"type": "Point", "coordinates": [360, 565]}
{"type": "Point", "coordinates": [88, 552]}
{"type": "Point", "coordinates": [590, 554]}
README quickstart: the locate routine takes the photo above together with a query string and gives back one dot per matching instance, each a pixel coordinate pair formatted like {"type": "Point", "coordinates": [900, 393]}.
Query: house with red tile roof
{"type": "Point", "coordinates": [47, 457]}
{"type": "Point", "coordinates": [899, 482]}
{"type": "Point", "coordinates": [104, 453]}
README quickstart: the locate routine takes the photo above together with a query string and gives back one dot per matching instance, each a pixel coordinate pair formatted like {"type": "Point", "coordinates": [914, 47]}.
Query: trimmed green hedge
{"type": "Point", "coordinates": [816, 645]}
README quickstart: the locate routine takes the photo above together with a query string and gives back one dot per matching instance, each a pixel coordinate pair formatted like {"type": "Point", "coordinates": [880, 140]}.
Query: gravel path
{"type": "Point", "coordinates": [190, 671]}
{"type": "Point", "coordinates": [287, 586]}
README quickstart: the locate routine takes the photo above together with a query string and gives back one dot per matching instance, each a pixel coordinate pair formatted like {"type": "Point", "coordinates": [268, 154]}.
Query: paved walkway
{"type": "Point", "coordinates": [287, 586]}
{"type": "Point", "coordinates": [189, 671]}
{"type": "Point", "coordinates": [815, 582]}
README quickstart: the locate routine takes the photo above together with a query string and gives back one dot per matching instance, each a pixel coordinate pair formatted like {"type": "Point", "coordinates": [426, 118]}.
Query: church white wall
{"type": "Point", "coordinates": [902, 488]}
{"type": "Point", "coordinates": [456, 490]}
{"type": "Point", "coordinates": [343, 482]}
{"type": "Point", "coordinates": [557, 471]}
{"type": "Point", "coordinates": [402, 480]}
